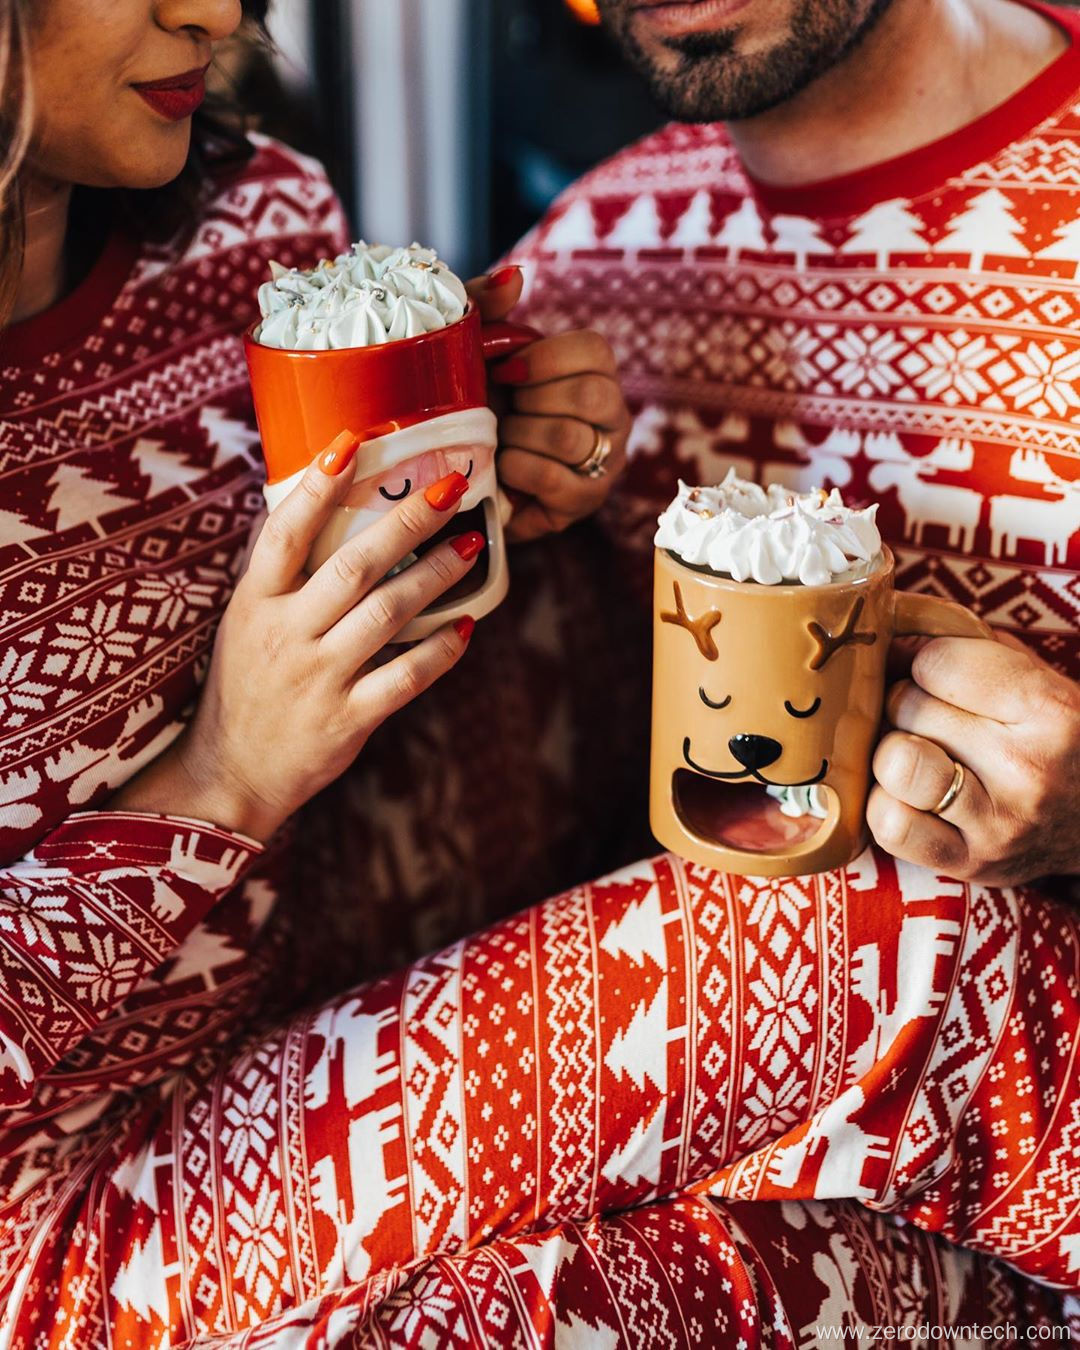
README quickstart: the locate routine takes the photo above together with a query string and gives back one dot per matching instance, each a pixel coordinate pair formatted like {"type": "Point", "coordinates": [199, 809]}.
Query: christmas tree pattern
{"type": "Point", "coordinates": [743, 229]}
{"type": "Point", "coordinates": [1066, 245]}
{"type": "Point", "coordinates": [799, 235]}
{"type": "Point", "coordinates": [640, 1051]}
{"type": "Point", "coordinates": [889, 227]}
{"type": "Point", "coordinates": [14, 529]}
{"type": "Point", "coordinates": [987, 225]}
{"type": "Point", "coordinates": [78, 498]}
{"type": "Point", "coordinates": [639, 227]}
{"type": "Point", "coordinates": [695, 224]}
{"type": "Point", "coordinates": [575, 228]}
{"type": "Point", "coordinates": [639, 933]}
{"type": "Point", "coordinates": [140, 1283]}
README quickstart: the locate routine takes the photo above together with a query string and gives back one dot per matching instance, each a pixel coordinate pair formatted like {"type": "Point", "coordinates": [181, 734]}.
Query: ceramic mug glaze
{"type": "Point", "coordinates": [420, 408]}
{"type": "Point", "coordinates": [780, 686]}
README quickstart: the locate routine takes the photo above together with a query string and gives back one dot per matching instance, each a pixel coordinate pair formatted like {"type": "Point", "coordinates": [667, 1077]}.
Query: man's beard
{"type": "Point", "coordinates": [712, 82]}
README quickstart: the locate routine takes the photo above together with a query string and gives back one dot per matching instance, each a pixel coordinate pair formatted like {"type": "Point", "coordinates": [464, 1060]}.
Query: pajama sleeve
{"type": "Point", "coordinates": [100, 902]}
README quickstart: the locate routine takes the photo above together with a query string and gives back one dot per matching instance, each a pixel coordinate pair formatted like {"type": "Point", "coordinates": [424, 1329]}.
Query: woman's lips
{"type": "Point", "coordinates": [176, 97]}
{"type": "Point", "coordinates": [673, 18]}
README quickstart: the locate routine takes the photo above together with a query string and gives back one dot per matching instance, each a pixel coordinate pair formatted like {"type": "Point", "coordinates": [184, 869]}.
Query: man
{"type": "Point", "coordinates": [866, 278]}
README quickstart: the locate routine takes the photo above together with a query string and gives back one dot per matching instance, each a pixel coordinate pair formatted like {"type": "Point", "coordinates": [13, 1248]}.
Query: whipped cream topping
{"type": "Point", "coordinates": [769, 535]}
{"type": "Point", "coordinates": [800, 801]}
{"type": "Point", "coordinates": [371, 294]}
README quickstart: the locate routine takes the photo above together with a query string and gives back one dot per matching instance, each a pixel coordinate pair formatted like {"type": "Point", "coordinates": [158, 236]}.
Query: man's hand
{"type": "Point", "coordinates": [1014, 724]}
{"type": "Point", "coordinates": [563, 392]}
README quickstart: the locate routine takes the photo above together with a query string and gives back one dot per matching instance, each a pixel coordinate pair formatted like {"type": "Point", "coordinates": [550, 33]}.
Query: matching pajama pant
{"type": "Point", "coordinates": [670, 1108]}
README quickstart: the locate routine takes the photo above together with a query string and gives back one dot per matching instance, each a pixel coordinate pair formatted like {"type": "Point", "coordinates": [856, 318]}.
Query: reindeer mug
{"type": "Point", "coordinates": [758, 687]}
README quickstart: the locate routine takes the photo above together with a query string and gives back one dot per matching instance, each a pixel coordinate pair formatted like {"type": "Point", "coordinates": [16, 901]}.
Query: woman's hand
{"type": "Point", "coordinates": [292, 696]}
{"type": "Point", "coordinates": [1014, 724]}
{"type": "Point", "coordinates": [563, 393]}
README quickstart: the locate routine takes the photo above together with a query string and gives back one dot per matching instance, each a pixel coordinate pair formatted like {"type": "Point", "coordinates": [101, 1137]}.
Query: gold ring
{"type": "Point", "coordinates": [594, 465]}
{"type": "Point", "coordinates": [953, 790]}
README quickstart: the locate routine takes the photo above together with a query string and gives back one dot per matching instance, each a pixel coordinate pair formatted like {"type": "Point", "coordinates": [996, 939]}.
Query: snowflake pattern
{"type": "Point", "coordinates": [109, 969]}
{"type": "Point", "coordinates": [1047, 385]}
{"type": "Point", "coordinates": [867, 364]}
{"type": "Point", "coordinates": [99, 644]}
{"type": "Point", "coordinates": [948, 366]}
{"type": "Point", "coordinates": [386, 1206]}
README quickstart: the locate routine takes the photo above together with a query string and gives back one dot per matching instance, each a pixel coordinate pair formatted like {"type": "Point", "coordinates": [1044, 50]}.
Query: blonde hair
{"type": "Point", "coordinates": [16, 117]}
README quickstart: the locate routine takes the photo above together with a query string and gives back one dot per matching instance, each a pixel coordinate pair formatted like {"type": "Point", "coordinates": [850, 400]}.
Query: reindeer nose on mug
{"type": "Point", "coordinates": [754, 752]}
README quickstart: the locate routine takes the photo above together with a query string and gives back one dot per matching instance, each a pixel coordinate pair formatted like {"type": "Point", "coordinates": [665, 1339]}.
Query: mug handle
{"type": "Point", "coordinates": [500, 340]}
{"type": "Point", "coordinates": [916, 615]}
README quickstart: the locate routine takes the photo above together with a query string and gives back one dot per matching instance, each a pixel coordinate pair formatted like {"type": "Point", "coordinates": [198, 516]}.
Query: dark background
{"type": "Point", "coordinates": [562, 101]}
{"type": "Point", "coordinates": [558, 101]}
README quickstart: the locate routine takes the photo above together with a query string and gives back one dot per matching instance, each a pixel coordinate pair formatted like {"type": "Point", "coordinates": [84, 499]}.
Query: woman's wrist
{"type": "Point", "coordinates": [187, 781]}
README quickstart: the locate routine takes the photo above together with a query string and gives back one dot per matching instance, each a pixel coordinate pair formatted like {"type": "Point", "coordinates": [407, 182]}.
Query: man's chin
{"type": "Point", "coordinates": [711, 94]}
{"type": "Point", "coordinates": [701, 75]}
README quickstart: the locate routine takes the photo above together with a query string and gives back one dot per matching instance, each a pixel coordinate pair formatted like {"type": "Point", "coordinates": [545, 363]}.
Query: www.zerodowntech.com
{"type": "Point", "coordinates": [968, 1334]}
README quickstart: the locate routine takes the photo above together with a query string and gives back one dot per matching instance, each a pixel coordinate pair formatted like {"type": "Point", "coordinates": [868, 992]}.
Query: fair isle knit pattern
{"type": "Point", "coordinates": [910, 335]}
{"type": "Point", "coordinates": [660, 1109]}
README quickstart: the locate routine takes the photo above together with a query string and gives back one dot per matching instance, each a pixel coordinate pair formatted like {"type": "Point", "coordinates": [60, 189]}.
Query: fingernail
{"type": "Point", "coordinates": [447, 492]}
{"type": "Point", "coordinates": [514, 371]}
{"type": "Point", "coordinates": [501, 277]}
{"type": "Point", "coordinates": [467, 546]}
{"type": "Point", "coordinates": [338, 455]}
{"type": "Point", "coordinates": [464, 626]}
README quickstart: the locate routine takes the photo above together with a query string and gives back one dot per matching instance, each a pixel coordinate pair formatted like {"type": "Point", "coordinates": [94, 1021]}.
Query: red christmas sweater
{"type": "Point", "coordinates": [131, 945]}
{"type": "Point", "coordinates": [130, 480]}
{"type": "Point", "coordinates": [909, 334]}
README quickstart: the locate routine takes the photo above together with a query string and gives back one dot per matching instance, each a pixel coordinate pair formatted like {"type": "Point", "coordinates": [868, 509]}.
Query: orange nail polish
{"type": "Point", "coordinates": [447, 492]}
{"type": "Point", "coordinates": [338, 455]}
{"type": "Point", "coordinates": [467, 546]}
{"type": "Point", "coordinates": [464, 626]}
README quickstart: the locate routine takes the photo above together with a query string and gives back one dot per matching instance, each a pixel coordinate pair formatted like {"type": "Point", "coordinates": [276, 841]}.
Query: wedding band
{"type": "Point", "coordinates": [953, 790]}
{"type": "Point", "coordinates": [594, 465]}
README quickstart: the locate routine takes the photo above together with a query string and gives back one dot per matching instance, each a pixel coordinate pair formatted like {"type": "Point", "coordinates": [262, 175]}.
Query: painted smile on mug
{"type": "Point", "coordinates": [753, 753]}
{"type": "Point", "coordinates": [757, 808]}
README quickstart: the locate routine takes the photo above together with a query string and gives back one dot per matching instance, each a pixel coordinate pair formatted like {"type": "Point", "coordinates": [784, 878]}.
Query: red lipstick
{"type": "Point", "coordinates": [176, 97]}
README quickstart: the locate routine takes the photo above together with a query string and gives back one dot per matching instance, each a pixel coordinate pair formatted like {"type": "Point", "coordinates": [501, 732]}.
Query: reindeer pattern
{"type": "Point", "coordinates": [950, 493]}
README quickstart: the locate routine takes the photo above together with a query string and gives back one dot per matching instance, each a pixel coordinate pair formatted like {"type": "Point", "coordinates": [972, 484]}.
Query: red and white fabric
{"type": "Point", "coordinates": [909, 334]}
{"type": "Point", "coordinates": [663, 1107]}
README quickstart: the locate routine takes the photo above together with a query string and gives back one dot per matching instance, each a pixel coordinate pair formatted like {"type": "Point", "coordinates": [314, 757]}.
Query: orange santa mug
{"type": "Point", "coordinates": [758, 687]}
{"type": "Point", "coordinates": [420, 408]}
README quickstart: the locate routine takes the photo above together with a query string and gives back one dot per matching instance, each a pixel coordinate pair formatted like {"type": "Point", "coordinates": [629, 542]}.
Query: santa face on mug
{"type": "Point", "coordinates": [400, 462]}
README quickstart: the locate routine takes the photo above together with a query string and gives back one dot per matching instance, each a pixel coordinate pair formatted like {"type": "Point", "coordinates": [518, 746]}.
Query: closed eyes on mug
{"type": "Point", "coordinates": [710, 704]}
{"type": "Point", "coordinates": [803, 712]}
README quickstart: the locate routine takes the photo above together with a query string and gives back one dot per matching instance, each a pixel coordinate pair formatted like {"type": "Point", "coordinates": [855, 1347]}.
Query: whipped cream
{"type": "Point", "coordinates": [800, 801]}
{"type": "Point", "coordinates": [769, 535]}
{"type": "Point", "coordinates": [370, 295]}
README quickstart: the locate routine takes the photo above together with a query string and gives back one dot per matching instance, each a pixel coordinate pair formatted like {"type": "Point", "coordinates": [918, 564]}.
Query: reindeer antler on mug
{"type": "Point", "coordinates": [829, 643]}
{"type": "Point", "coordinates": [700, 629]}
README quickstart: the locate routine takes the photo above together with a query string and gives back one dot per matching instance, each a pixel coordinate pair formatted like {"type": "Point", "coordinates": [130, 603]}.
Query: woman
{"type": "Point", "coordinates": [185, 1156]}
